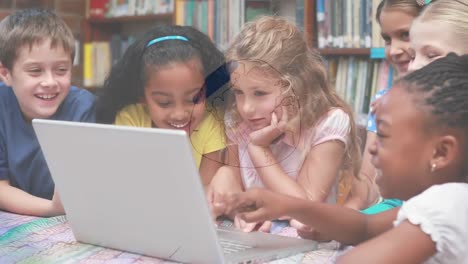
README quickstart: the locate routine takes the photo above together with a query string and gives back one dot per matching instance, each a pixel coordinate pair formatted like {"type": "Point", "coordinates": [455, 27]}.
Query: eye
{"type": "Point", "coordinates": [164, 104]}
{"type": "Point", "coordinates": [432, 55]}
{"type": "Point", "coordinates": [404, 35]}
{"type": "Point", "coordinates": [35, 70]}
{"type": "Point", "coordinates": [387, 40]}
{"type": "Point", "coordinates": [260, 93]}
{"type": "Point", "coordinates": [237, 91]}
{"type": "Point", "coordinates": [62, 71]}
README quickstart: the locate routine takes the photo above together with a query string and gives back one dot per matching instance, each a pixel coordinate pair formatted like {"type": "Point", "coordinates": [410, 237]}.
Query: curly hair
{"type": "Point", "coordinates": [275, 43]}
{"type": "Point", "coordinates": [441, 88]}
{"type": "Point", "coordinates": [126, 81]}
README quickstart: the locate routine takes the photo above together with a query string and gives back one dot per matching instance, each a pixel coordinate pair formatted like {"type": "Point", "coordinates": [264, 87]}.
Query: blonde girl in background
{"type": "Point", "coordinates": [395, 18]}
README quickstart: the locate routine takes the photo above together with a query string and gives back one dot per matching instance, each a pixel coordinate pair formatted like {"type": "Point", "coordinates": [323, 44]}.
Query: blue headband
{"type": "Point", "coordinates": [156, 40]}
{"type": "Point", "coordinates": [423, 2]}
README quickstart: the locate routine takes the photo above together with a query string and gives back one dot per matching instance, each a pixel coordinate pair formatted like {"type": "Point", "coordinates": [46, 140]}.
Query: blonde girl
{"type": "Point", "coordinates": [291, 133]}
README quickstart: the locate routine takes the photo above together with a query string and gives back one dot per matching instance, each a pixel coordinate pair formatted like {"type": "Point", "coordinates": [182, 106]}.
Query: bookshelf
{"type": "Point", "coordinates": [345, 51]}
{"type": "Point", "coordinates": [347, 35]}
{"type": "Point", "coordinates": [110, 26]}
{"type": "Point", "coordinates": [355, 66]}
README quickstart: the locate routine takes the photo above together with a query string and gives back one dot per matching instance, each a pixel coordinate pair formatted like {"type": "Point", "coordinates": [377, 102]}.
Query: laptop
{"type": "Point", "coordinates": [139, 190]}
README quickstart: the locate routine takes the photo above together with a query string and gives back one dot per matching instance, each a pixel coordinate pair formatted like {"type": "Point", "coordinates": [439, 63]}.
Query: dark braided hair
{"type": "Point", "coordinates": [126, 81]}
{"type": "Point", "coordinates": [443, 85]}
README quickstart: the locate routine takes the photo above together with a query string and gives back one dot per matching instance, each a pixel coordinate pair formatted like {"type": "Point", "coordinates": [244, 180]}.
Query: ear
{"type": "Point", "coordinates": [5, 75]}
{"type": "Point", "coordinates": [446, 150]}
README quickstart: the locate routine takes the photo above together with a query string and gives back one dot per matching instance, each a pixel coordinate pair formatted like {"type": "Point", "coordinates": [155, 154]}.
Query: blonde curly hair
{"type": "Point", "coordinates": [278, 47]}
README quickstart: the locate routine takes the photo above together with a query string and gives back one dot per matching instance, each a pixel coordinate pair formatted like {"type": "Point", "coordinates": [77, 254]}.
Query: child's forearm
{"type": "Point", "coordinates": [339, 223]}
{"type": "Point", "coordinates": [271, 173]}
{"type": "Point", "coordinates": [17, 201]}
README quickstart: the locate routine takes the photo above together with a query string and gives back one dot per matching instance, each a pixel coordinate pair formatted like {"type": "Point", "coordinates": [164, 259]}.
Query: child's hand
{"type": "Point", "coordinates": [263, 137]}
{"type": "Point", "coordinates": [257, 205]}
{"type": "Point", "coordinates": [215, 203]}
{"type": "Point", "coordinates": [224, 183]}
{"type": "Point", "coordinates": [307, 232]}
{"type": "Point", "coordinates": [56, 207]}
{"type": "Point", "coordinates": [249, 227]}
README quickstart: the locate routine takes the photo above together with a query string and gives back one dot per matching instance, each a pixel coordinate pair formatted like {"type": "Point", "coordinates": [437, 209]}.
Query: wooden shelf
{"type": "Point", "coordinates": [124, 19]}
{"type": "Point", "coordinates": [345, 51]}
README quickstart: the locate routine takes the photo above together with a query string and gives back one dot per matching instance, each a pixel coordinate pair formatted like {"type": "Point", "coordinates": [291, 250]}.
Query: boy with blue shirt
{"type": "Point", "coordinates": [36, 54]}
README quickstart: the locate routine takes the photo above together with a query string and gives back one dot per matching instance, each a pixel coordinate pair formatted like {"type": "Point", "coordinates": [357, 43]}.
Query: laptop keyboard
{"type": "Point", "coordinates": [230, 247]}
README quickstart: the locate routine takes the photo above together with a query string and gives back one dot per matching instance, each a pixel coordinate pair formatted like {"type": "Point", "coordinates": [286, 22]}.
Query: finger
{"type": "Point", "coordinates": [274, 119]}
{"type": "Point", "coordinates": [265, 227]}
{"type": "Point", "coordinates": [237, 222]}
{"type": "Point", "coordinates": [218, 209]}
{"type": "Point", "coordinates": [249, 227]}
{"type": "Point", "coordinates": [258, 215]}
{"type": "Point", "coordinates": [284, 116]}
{"type": "Point", "coordinates": [300, 226]}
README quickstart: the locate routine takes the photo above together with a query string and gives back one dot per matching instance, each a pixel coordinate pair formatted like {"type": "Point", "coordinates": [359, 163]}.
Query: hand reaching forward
{"type": "Point", "coordinates": [258, 205]}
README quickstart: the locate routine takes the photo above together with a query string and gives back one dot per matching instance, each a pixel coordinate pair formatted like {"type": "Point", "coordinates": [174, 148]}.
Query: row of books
{"type": "Point", "coordinates": [99, 56]}
{"type": "Point", "coordinates": [118, 8]}
{"type": "Point", "coordinates": [358, 79]}
{"type": "Point", "coordinates": [347, 24]}
{"type": "Point", "coordinates": [222, 20]}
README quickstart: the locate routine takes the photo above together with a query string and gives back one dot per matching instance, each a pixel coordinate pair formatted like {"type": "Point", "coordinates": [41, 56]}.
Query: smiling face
{"type": "Point", "coordinates": [403, 148]}
{"type": "Point", "coordinates": [175, 95]}
{"type": "Point", "coordinates": [430, 41]}
{"type": "Point", "coordinates": [257, 93]}
{"type": "Point", "coordinates": [395, 26]}
{"type": "Point", "coordinates": [40, 78]}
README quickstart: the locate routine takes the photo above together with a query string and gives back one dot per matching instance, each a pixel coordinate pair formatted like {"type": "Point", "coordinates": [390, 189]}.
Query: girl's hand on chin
{"type": "Point", "coordinates": [265, 136]}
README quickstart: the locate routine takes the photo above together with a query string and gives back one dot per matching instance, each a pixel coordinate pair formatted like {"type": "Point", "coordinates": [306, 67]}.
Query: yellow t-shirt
{"type": "Point", "coordinates": [208, 138]}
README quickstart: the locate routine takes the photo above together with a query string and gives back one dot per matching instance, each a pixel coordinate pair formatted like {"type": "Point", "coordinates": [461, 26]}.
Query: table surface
{"type": "Point", "coordinates": [27, 239]}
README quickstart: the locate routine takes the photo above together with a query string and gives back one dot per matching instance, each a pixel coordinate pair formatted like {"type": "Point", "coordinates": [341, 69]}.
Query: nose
{"type": "Point", "coordinates": [396, 48]}
{"type": "Point", "coordinates": [180, 113]}
{"type": "Point", "coordinates": [248, 108]}
{"type": "Point", "coordinates": [48, 80]}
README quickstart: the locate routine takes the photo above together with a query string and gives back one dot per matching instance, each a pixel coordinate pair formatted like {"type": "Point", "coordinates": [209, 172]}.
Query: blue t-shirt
{"type": "Point", "coordinates": [21, 159]}
{"type": "Point", "coordinates": [371, 123]}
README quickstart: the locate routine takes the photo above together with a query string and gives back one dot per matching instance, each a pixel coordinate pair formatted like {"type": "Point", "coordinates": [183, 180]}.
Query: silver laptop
{"type": "Point", "coordinates": [138, 190]}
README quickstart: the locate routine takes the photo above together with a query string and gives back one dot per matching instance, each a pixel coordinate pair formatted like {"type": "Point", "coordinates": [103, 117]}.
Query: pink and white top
{"type": "Point", "coordinates": [333, 126]}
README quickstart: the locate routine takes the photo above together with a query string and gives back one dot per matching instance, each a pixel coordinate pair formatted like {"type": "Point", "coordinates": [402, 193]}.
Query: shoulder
{"type": "Point", "coordinates": [6, 93]}
{"type": "Point", "coordinates": [78, 105]}
{"type": "Point", "coordinates": [335, 119]}
{"type": "Point", "coordinates": [134, 115]}
{"type": "Point", "coordinates": [8, 102]}
{"type": "Point", "coordinates": [80, 96]}
{"type": "Point", "coordinates": [441, 212]}
{"type": "Point", "coordinates": [430, 198]}
{"type": "Point", "coordinates": [210, 121]}
{"type": "Point", "coordinates": [134, 110]}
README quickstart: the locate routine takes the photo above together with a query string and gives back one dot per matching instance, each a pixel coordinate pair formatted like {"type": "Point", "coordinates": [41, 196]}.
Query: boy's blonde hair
{"type": "Point", "coordinates": [451, 12]}
{"type": "Point", "coordinates": [275, 43]}
{"type": "Point", "coordinates": [28, 27]}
